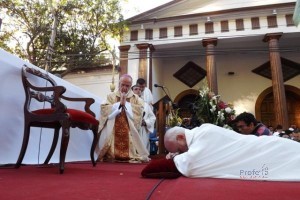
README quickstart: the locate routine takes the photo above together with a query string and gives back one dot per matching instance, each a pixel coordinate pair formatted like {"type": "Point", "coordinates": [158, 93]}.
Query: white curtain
{"type": "Point", "coordinates": [12, 99]}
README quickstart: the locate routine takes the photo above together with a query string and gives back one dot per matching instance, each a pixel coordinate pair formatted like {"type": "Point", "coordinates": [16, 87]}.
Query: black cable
{"type": "Point", "coordinates": [153, 189]}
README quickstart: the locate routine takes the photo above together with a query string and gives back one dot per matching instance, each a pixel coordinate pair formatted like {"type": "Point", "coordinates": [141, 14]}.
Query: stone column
{"type": "Point", "coordinates": [280, 107]}
{"type": "Point", "coordinates": [124, 58]}
{"type": "Point", "coordinates": [143, 61]}
{"type": "Point", "coordinates": [150, 82]}
{"type": "Point", "coordinates": [211, 64]}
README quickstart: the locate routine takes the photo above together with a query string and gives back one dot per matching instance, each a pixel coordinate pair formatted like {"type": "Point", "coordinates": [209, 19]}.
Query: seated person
{"type": "Point", "coordinates": [154, 139]}
{"type": "Point", "coordinates": [248, 125]}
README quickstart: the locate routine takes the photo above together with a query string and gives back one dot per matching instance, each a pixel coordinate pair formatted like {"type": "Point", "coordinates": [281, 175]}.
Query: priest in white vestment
{"type": "Point", "coordinates": [148, 121]}
{"type": "Point", "coordinates": [146, 94]}
{"type": "Point", "coordinates": [212, 151]}
{"type": "Point", "coordinates": [120, 122]}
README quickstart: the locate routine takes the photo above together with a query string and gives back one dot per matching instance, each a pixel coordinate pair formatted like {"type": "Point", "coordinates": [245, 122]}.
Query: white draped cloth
{"type": "Point", "coordinates": [221, 153]}
{"type": "Point", "coordinates": [12, 118]}
{"type": "Point", "coordinates": [147, 96]}
{"type": "Point", "coordinates": [149, 119]}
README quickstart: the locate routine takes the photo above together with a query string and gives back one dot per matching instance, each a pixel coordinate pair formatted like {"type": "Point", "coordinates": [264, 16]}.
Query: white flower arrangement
{"type": "Point", "coordinates": [211, 109]}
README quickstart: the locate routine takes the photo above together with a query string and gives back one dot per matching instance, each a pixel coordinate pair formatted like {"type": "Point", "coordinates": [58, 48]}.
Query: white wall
{"type": "Point", "coordinates": [158, 70]}
{"type": "Point", "coordinates": [96, 82]}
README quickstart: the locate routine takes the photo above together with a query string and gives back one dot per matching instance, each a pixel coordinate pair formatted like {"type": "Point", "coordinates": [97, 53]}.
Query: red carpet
{"type": "Point", "coordinates": [123, 181]}
{"type": "Point", "coordinates": [222, 189]}
{"type": "Point", "coordinates": [79, 181]}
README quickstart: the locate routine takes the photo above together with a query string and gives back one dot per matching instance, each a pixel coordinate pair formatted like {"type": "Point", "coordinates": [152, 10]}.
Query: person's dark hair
{"type": "Point", "coordinates": [247, 118]}
{"type": "Point", "coordinates": [288, 132]}
{"type": "Point", "coordinates": [141, 81]}
{"type": "Point", "coordinates": [282, 134]}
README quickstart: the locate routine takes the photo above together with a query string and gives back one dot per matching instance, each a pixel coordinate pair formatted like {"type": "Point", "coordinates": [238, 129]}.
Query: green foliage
{"type": "Point", "coordinates": [26, 23]}
{"type": "Point", "coordinates": [83, 29]}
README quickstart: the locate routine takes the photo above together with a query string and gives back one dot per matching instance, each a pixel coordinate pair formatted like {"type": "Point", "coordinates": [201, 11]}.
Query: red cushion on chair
{"type": "Point", "coordinates": [161, 168]}
{"type": "Point", "coordinates": [75, 115]}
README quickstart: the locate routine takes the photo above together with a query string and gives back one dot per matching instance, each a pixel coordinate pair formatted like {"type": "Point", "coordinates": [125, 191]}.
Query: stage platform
{"type": "Point", "coordinates": [121, 181]}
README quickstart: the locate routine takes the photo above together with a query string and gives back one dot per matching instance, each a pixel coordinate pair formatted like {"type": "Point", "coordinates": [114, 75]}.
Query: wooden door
{"type": "Point", "coordinates": [293, 106]}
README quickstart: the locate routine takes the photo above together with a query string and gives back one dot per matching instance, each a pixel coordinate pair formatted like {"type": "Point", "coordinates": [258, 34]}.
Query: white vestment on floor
{"type": "Point", "coordinates": [221, 153]}
{"type": "Point", "coordinates": [149, 119]}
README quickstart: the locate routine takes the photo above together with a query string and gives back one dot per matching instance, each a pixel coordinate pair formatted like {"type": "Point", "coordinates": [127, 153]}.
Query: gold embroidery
{"type": "Point", "coordinates": [121, 143]}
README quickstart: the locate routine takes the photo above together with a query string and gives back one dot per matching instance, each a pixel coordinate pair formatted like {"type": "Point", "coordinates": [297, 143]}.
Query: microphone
{"type": "Point", "coordinates": [161, 86]}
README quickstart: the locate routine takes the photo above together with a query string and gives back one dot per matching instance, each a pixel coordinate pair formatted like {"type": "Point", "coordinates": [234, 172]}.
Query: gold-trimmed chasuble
{"type": "Point", "coordinates": [121, 144]}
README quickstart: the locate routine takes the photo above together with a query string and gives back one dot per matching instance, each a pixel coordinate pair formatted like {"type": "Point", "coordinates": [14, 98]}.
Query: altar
{"type": "Point", "coordinates": [12, 119]}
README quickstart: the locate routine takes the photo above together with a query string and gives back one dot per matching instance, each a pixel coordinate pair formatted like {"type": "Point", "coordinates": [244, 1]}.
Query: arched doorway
{"type": "Point", "coordinates": [264, 107]}
{"type": "Point", "coordinates": [184, 101]}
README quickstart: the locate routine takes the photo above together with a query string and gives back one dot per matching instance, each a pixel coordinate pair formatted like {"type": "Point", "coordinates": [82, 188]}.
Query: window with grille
{"type": "Point", "coordinates": [224, 26]}
{"type": "Point", "coordinates": [163, 33]}
{"type": "Point", "coordinates": [149, 34]}
{"type": "Point", "coordinates": [209, 27]}
{"type": "Point", "coordinates": [289, 20]}
{"type": "Point", "coordinates": [239, 24]}
{"type": "Point", "coordinates": [177, 31]}
{"type": "Point", "coordinates": [133, 35]}
{"type": "Point", "coordinates": [272, 21]}
{"type": "Point", "coordinates": [194, 29]}
{"type": "Point", "coordinates": [255, 23]}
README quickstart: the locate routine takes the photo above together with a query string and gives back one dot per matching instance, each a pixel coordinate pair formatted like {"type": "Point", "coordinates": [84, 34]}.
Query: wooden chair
{"type": "Point", "coordinates": [55, 116]}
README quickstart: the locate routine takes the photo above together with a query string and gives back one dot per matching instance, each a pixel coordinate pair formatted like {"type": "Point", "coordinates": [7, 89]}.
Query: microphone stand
{"type": "Point", "coordinates": [174, 105]}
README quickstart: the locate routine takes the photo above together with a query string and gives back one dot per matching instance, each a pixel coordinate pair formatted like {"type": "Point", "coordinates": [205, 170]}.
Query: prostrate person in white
{"type": "Point", "coordinates": [212, 151]}
{"type": "Point", "coordinates": [148, 120]}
